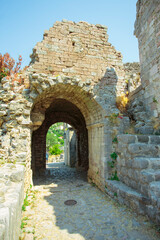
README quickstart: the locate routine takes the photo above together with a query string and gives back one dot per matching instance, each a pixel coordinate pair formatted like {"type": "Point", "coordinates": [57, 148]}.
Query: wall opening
{"type": "Point", "coordinates": [61, 146]}
{"type": "Point", "coordinates": [61, 110]}
{"type": "Point", "coordinates": [55, 143]}
{"type": "Point", "coordinates": [71, 104]}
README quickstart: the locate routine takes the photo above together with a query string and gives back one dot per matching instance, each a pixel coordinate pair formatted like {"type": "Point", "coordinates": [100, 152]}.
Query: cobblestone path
{"type": "Point", "coordinates": [94, 217]}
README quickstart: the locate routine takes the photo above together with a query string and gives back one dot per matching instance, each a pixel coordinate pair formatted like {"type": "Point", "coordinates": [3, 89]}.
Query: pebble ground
{"type": "Point", "coordinates": [94, 217]}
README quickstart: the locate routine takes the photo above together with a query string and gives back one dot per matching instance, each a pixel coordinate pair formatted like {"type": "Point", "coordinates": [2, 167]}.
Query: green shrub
{"type": "Point", "coordinates": [55, 136]}
{"type": "Point", "coordinates": [55, 150]}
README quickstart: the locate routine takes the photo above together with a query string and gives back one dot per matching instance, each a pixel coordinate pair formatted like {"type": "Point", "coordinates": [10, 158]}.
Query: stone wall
{"type": "Point", "coordinates": [132, 76]}
{"type": "Point", "coordinates": [11, 200]}
{"type": "Point", "coordinates": [76, 74]}
{"type": "Point", "coordinates": [134, 153]}
{"type": "Point", "coordinates": [138, 167]}
{"type": "Point", "coordinates": [81, 50]}
{"type": "Point", "coordinates": [147, 27]}
{"type": "Point", "coordinates": [15, 135]}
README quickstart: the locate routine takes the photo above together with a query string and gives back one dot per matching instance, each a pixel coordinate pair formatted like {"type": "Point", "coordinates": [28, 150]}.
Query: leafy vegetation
{"type": "Point", "coordinates": [112, 165]}
{"type": "Point", "coordinates": [55, 150]}
{"type": "Point", "coordinates": [26, 203]}
{"type": "Point", "coordinates": [114, 176]}
{"type": "Point", "coordinates": [115, 140]}
{"type": "Point", "coordinates": [114, 155]}
{"type": "Point", "coordinates": [8, 66]}
{"type": "Point", "coordinates": [122, 102]}
{"type": "Point", "coordinates": [55, 139]}
{"type": "Point", "coordinates": [155, 100]}
{"type": "Point", "coordinates": [23, 224]}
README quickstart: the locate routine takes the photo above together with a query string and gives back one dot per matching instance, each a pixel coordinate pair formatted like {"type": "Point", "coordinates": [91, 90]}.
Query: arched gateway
{"type": "Point", "coordinates": [74, 77]}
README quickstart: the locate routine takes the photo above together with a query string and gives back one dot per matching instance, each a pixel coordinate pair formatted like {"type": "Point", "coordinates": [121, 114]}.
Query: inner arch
{"type": "Point", "coordinates": [60, 110]}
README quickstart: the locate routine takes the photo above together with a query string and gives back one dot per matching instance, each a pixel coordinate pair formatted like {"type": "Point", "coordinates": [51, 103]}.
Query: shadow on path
{"type": "Point", "coordinates": [94, 217]}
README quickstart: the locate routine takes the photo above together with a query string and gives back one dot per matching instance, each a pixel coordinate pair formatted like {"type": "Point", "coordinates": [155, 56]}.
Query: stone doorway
{"type": "Point", "coordinates": [60, 110]}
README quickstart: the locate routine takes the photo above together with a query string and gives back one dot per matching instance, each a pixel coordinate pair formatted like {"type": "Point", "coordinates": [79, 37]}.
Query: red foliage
{"type": "Point", "coordinates": [7, 65]}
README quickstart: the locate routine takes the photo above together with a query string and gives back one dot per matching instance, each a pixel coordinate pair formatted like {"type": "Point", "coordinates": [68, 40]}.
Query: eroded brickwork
{"type": "Point", "coordinates": [81, 50]}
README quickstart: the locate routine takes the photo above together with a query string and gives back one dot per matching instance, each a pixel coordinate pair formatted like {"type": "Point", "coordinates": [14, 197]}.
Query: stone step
{"type": "Point", "coordinates": [154, 193]}
{"type": "Point", "coordinates": [143, 149]}
{"type": "Point", "coordinates": [127, 195]}
{"type": "Point", "coordinates": [149, 175]}
{"type": "Point", "coordinates": [133, 138]}
{"type": "Point", "coordinates": [144, 130]}
{"type": "Point", "coordinates": [135, 200]}
{"type": "Point", "coordinates": [140, 163]}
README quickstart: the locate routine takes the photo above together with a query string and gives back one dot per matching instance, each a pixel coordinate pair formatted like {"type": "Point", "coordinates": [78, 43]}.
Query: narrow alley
{"type": "Point", "coordinates": [92, 215]}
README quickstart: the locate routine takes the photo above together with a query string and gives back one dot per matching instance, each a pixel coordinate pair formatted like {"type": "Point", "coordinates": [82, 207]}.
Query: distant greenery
{"type": "Point", "coordinates": [55, 139]}
{"type": "Point", "coordinates": [55, 150]}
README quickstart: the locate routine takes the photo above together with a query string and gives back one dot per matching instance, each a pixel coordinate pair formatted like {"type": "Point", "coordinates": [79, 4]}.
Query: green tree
{"type": "Point", "coordinates": [55, 137]}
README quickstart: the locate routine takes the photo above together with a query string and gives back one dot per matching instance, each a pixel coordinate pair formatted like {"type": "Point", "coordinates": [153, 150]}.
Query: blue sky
{"type": "Point", "coordinates": [22, 23]}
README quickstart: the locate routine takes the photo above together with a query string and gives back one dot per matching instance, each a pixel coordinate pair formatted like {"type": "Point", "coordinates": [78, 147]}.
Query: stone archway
{"type": "Point", "coordinates": [60, 110]}
{"type": "Point", "coordinates": [74, 63]}
{"type": "Point", "coordinates": [72, 104]}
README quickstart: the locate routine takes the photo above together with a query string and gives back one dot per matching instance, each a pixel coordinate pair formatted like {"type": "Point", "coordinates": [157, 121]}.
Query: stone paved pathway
{"type": "Point", "coordinates": [94, 217]}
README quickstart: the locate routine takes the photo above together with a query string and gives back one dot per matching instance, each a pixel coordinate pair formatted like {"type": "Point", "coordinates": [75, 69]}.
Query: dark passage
{"type": "Point", "coordinates": [60, 110]}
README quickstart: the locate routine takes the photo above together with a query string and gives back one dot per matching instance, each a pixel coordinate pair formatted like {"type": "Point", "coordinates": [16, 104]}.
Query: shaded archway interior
{"type": "Point", "coordinates": [60, 110]}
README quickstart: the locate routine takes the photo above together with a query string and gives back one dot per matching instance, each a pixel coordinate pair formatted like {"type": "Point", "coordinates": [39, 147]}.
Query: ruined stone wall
{"type": "Point", "coordinates": [132, 76]}
{"type": "Point", "coordinates": [81, 50]}
{"type": "Point", "coordinates": [147, 30]}
{"type": "Point", "coordinates": [11, 200]}
{"type": "Point", "coordinates": [74, 63]}
{"type": "Point", "coordinates": [79, 65]}
{"type": "Point", "coordinates": [15, 135]}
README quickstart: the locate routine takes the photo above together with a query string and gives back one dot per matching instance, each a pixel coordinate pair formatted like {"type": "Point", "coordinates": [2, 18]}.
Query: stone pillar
{"type": "Point", "coordinates": [70, 148]}
{"type": "Point", "coordinates": [38, 163]}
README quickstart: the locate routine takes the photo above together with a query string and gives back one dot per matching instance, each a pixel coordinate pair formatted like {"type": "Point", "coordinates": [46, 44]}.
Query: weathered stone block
{"type": "Point", "coordinates": [142, 149]}
{"type": "Point", "coordinates": [154, 139]}
{"type": "Point", "coordinates": [140, 163]}
{"type": "Point", "coordinates": [126, 138]}
{"type": "Point", "coordinates": [143, 139]}
{"type": "Point", "coordinates": [147, 176]}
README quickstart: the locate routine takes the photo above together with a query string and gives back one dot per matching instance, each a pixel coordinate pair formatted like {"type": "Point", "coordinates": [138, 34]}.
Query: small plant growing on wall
{"type": "Point", "coordinates": [115, 140]}
{"type": "Point", "coordinates": [122, 102]}
{"type": "Point", "coordinates": [25, 203]}
{"type": "Point", "coordinates": [114, 118]}
{"type": "Point", "coordinates": [112, 165]}
{"type": "Point", "coordinates": [114, 157]}
{"type": "Point", "coordinates": [155, 100]}
{"type": "Point", "coordinates": [114, 176]}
